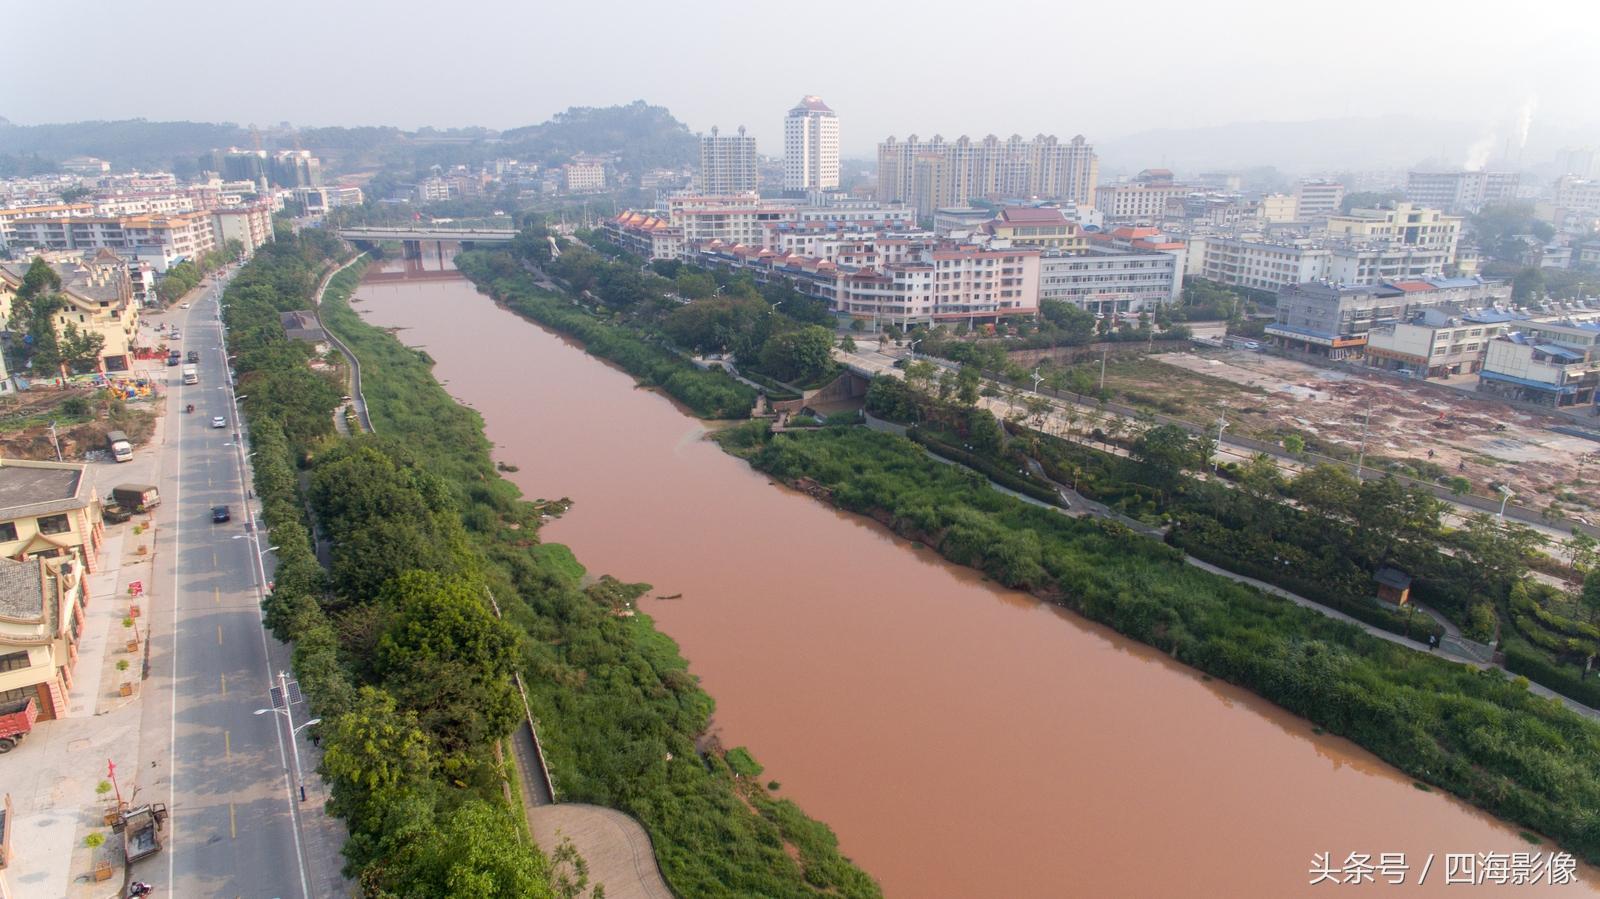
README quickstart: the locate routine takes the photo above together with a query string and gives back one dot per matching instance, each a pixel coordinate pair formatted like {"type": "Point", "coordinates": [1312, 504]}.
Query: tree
{"type": "Point", "coordinates": [374, 748]}
{"type": "Point", "coordinates": [1528, 284]}
{"type": "Point", "coordinates": [1167, 451]}
{"type": "Point", "coordinates": [1590, 594]}
{"type": "Point", "coordinates": [471, 851]}
{"type": "Point", "coordinates": [40, 279]}
{"type": "Point", "coordinates": [801, 356]}
{"type": "Point", "coordinates": [80, 350]}
{"type": "Point", "coordinates": [1581, 548]}
{"type": "Point", "coordinates": [1294, 444]}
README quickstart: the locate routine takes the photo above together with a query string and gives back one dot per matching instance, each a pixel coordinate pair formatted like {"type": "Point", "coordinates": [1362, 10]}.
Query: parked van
{"type": "Point", "coordinates": [121, 449]}
{"type": "Point", "coordinates": [191, 375]}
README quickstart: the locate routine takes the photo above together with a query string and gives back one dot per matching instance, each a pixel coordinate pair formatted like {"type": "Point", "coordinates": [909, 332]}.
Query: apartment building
{"type": "Point", "coordinates": [1461, 193]}
{"type": "Point", "coordinates": [647, 235]}
{"type": "Point", "coordinates": [1333, 320]}
{"type": "Point", "coordinates": [1144, 199]}
{"type": "Point", "coordinates": [810, 147]}
{"type": "Point", "coordinates": [1551, 362]}
{"type": "Point", "coordinates": [728, 163]}
{"type": "Point", "coordinates": [1275, 208]}
{"type": "Point", "coordinates": [947, 283]}
{"type": "Point", "coordinates": [1107, 280]}
{"type": "Point", "coordinates": [97, 298]}
{"type": "Point", "coordinates": [177, 237]}
{"type": "Point", "coordinates": [144, 204]}
{"type": "Point", "coordinates": [250, 225]}
{"type": "Point", "coordinates": [1577, 197]}
{"type": "Point", "coordinates": [934, 174]}
{"type": "Point", "coordinates": [584, 174]}
{"type": "Point", "coordinates": [1255, 262]}
{"type": "Point", "coordinates": [9, 217]}
{"type": "Point", "coordinates": [1317, 198]}
{"type": "Point", "coordinates": [1432, 343]}
{"type": "Point", "coordinates": [1407, 224]}
{"type": "Point", "coordinates": [42, 610]}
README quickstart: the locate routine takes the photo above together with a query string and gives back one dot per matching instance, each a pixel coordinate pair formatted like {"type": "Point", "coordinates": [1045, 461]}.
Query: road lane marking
{"type": "Point", "coordinates": [219, 635]}
{"type": "Point", "coordinates": [233, 825]}
{"type": "Point", "coordinates": [216, 594]}
{"type": "Point", "coordinates": [213, 558]}
{"type": "Point", "coordinates": [227, 745]}
{"type": "Point", "coordinates": [224, 685]}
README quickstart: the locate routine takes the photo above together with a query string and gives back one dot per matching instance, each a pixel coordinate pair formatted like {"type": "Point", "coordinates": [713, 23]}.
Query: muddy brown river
{"type": "Point", "coordinates": [963, 740]}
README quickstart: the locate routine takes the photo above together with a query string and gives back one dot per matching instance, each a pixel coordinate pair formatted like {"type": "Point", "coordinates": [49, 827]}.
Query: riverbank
{"type": "Point", "coordinates": [620, 714]}
{"type": "Point", "coordinates": [1480, 736]}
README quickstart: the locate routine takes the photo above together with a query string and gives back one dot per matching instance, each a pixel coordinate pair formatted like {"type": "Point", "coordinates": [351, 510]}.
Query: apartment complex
{"type": "Point", "coordinates": [1044, 227]}
{"type": "Point", "coordinates": [1258, 263]}
{"type": "Point", "coordinates": [1552, 362]}
{"type": "Point", "coordinates": [42, 610]}
{"type": "Point", "coordinates": [934, 174]}
{"type": "Point", "coordinates": [1316, 198]}
{"type": "Point", "coordinates": [1108, 278]}
{"type": "Point", "coordinates": [1144, 199]}
{"type": "Point", "coordinates": [1406, 225]}
{"type": "Point", "coordinates": [1461, 192]}
{"type": "Point", "coordinates": [810, 147]}
{"type": "Point", "coordinates": [583, 174]}
{"type": "Point", "coordinates": [727, 163]}
{"type": "Point", "coordinates": [1340, 320]}
{"type": "Point", "coordinates": [171, 237]}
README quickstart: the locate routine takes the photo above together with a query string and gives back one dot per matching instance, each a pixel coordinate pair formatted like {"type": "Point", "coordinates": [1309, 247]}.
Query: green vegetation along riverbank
{"type": "Point", "coordinates": [1480, 735]}
{"type": "Point", "coordinates": [618, 710]}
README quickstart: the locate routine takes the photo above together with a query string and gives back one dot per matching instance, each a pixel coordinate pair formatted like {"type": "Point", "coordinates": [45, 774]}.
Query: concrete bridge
{"type": "Point", "coordinates": [413, 238]}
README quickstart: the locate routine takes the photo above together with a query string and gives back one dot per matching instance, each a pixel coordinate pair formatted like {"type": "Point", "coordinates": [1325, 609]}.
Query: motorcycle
{"type": "Point", "coordinates": [139, 888]}
{"type": "Point", "coordinates": [189, 408]}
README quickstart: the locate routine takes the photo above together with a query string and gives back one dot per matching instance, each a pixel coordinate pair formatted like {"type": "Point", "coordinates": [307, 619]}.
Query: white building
{"type": "Point", "coordinates": [584, 174]}
{"type": "Point", "coordinates": [811, 147]}
{"type": "Point", "coordinates": [1406, 224]}
{"type": "Point", "coordinates": [1551, 362]}
{"type": "Point", "coordinates": [1107, 280]}
{"type": "Point", "coordinates": [250, 225]}
{"type": "Point", "coordinates": [1461, 192]}
{"type": "Point", "coordinates": [935, 174]}
{"type": "Point", "coordinates": [727, 163]}
{"type": "Point", "coordinates": [1316, 198]}
{"type": "Point", "coordinates": [1433, 343]}
{"type": "Point", "coordinates": [1254, 262]}
{"type": "Point", "coordinates": [1144, 199]}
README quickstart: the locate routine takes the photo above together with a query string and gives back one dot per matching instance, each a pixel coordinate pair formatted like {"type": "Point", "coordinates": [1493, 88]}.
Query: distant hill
{"type": "Point", "coordinates": [642, 135]}
{"type": "Point", "coordinates": [131, 143]}
{"type": "Point", "coordinates": [1377, 142]}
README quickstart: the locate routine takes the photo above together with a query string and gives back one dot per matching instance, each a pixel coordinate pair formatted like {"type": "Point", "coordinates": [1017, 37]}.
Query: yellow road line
{"type": "Point", "coordinates": [219, 635]}
{"type": "Point", "coordinates": [224, 685]}
{"type": "Point", "coordinates": [227, 744]}
{"type": "Point", "coordinates": [216, 594]}
{"type": "Point", "coordinates": [233, 825]}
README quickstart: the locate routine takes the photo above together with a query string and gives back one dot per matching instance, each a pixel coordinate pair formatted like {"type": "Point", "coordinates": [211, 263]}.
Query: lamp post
{"type": "Point", "coordinates": [1036, 379]}
{"type": "Point", "coordinates": [1505, 497]}
{"type": "Point", "coordinates": [288, 717]}
{"type": "Point", "coordinates": [1217, 459]}
{"type": "Point", "coordinates": [1361, 456]}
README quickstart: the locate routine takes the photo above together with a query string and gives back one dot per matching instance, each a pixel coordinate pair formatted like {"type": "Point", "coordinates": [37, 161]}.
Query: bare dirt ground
{"type": "Point", "coordinates": [1483, 440]}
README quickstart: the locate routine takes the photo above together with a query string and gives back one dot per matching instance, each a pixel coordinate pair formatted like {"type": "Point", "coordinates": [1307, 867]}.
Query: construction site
{"type": "Point", "coordinates": [1429, 431]}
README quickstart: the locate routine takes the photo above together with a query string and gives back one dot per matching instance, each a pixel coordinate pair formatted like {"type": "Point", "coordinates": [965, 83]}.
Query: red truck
{"type": "Point", "coordinates": [16, 719]}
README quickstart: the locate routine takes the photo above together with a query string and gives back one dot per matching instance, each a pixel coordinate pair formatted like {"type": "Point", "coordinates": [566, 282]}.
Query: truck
{"type": "Point", "coordinates": [16, 719]}
{"type": "Point", "coordinates": [121, 449]}
{"type": "Point", "coordinates": [141, 830]}
{"type": "Point", "coordinates": [137, 498]}
{"type": "Point", "coordinates": [191, 375]}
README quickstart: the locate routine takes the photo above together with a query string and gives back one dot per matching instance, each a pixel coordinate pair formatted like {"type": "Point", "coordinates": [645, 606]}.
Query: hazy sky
{"type": "Point", "coordinates": [1103, 69]}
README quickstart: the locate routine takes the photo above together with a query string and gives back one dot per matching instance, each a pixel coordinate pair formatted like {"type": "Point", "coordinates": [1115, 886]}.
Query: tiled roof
{"type": "Point", "coordinates": [21, 590]}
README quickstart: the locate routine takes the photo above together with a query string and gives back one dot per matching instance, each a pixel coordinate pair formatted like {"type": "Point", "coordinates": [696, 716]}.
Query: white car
{"type": "Point", "coordinates": [183, 305]}
{"type": "Point", "coordinates": [218, 421]}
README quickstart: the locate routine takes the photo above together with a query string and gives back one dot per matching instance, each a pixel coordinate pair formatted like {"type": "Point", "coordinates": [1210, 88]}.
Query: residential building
{"type": "Point", "coordinates": [250, 225]}
{"type": "Point", "coordinates": [1333, 320]}
{"type": "Point", "coordinates": [1551, 362]}
{"type": "Point", "coordinates": [1317, 198]}
{"type": "Point", "coordinates": [154, 203]}
{"type": "Point", "coordinates": [42, 610]}
{"type": "Point", "coordinates": [647, 235]}
{"type": "Point", "coordinates": [97, 298]}
{"type": "Point", "coordinates": [1144, 199]}
{"type": "Point", "coordinates": [8, 217]}
{"type": "Point", "coordinates": [727, 163]}
{"type": "Point", "coordinates": [85, 165]}
{"type": "Point", "coordinates": [1432, 343]}
{"type": "Point", "coordinates": [1577, 199]}
{"type": "Point", "coordinates": [934, 174]}
{"type": "Point", "coordinates": [583, 174]}
{"type": "Point", "coordinates": [296, 168]}
{"type": "Point", "coordinates": [965, 219]}
{"type": "Point", "coordinates": [810, 147]}
{"type": "Point", "coordinates": [1280, 208]}
{"type": "Point", "coordinates": [1461, 192]}
{"type": "Point", "coordinates": [1261, 264]}
{"type": "Point", "coordinates": [1107, 280]}
{"type": "Point", "coordinates": [177, 237]}
{"type": "Point", "coordinates": [1406, 224]}
{"type": "Point", "coordinates": [49, 510]}
{"type": "Point", "coordinates": [1044, 227]}
{"type": "Point", "coordinates": [318, 200]}
{"type": "Point", "coordinates": [1376, 261]}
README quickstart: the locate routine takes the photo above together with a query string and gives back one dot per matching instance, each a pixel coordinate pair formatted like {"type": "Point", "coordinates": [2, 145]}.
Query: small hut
{"type": "Point", "coordinates": [1394, 585]}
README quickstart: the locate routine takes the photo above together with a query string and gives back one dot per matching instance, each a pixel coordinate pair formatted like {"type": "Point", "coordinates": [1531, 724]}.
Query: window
{"type": "Point", "coordinates": [14, 661]}
{"type": "Point", "coordinates": [8, 531]}
{"type": "Point", "coordinates": [54, 524]}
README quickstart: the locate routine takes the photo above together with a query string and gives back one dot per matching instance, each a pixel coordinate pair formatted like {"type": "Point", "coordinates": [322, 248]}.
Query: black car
{"type": "Point", "coordinates": [219, 514]}
{"type": "Point", "coordinates": [172, 358]}
{"type": "Point", "coordinates": [193, 357]}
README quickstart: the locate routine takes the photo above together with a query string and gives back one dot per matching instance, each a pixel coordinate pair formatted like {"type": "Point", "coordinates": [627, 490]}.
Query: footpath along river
{"type": "Point", "coordinates": [962, 740]}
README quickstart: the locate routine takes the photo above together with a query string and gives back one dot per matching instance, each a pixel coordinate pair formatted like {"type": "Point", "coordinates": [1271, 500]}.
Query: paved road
{"type": "Point", "coordinates": [220, 768]}
{"type": "Point", "coordinates": [358, 400]}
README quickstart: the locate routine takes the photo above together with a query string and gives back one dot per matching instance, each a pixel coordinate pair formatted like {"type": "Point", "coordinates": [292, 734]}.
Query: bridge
{"type": "Point", "coordinates": [413, 238]}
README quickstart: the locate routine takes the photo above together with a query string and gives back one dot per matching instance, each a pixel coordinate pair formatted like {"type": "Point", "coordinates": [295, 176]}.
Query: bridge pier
{"type": "Point", "coordinates": [413, 249]}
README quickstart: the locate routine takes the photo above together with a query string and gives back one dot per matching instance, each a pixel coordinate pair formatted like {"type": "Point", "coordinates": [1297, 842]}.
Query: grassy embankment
{"type": "Point", "coordinates": [619, 711]}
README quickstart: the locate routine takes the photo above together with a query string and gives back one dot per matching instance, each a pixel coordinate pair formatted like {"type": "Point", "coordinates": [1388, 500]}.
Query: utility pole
{"type": "Point", "coordinates": [1361, 457]}
{"type": "Point", "coordinates": [56, 440]}
{"type": "Point", "coordinates": [1103, 352]}
{"type": "Point", "coordinates": [294, 746]}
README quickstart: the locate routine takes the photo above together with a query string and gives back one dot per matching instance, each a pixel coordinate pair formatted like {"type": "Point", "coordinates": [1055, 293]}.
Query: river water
{"type": "Point", "coordinates": [963, 740]}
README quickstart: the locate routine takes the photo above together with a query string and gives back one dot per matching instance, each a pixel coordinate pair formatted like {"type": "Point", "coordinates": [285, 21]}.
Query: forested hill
{"type": "Point", "coordinates": [130, 143]}
{"type": "Point", "coordinates": [642, 135]}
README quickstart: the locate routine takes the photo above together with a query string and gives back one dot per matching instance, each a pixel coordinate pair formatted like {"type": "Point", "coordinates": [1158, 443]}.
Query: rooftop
{"type": "Point", "coordinates": [40, 488]}
{"type": "Point", "coordinates": [21, 590]}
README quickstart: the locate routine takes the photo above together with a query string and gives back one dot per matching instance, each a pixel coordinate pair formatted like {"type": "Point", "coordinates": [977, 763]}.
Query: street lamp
{"type": "Point", "coordinates": [288, 717]}
{"type": "Point", "coordinates": [1505, 497]}
{"type": "Point", "coordinates": [1217, 459]}
{"type": "Point", "coordinates": [1036, 379]}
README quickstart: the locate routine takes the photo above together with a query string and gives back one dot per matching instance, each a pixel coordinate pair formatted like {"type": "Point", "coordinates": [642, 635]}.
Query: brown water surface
{"type": "Point", "coordinates": [962, 740]}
